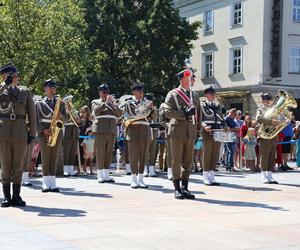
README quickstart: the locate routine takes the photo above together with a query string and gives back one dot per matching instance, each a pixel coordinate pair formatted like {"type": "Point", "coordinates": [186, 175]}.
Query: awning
{"type": "Point", "coordinates": [227, 94]}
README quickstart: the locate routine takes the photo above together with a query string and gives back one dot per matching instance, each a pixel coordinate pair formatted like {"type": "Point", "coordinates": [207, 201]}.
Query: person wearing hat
{"type": "Point", "coordinates": [154, 128]}
{"type": "Point", "coordinates": [267, 147]}
{"type": "Point", "coordinates": [183, 110]}
{"type": "Point", "coordinates": [70, 143]}
{"type": "Point", "coordinates": [106, 113]}
{"type": "Point", "coordinates": [45, 109]}
{"type": "Point", "coordinates": [212, 118]}
{"type": "Point", "coordinates": [138, 134]}
{"type": "Point", "coordinates": [16, 105]}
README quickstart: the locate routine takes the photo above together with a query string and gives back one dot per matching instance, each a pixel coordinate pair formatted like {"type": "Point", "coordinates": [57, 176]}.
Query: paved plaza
{"type": "Point", "coordinates": [240, 214]}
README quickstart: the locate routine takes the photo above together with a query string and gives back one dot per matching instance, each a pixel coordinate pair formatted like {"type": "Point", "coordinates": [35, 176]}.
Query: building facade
{"type": "Point", "coordinates": [245, 48]}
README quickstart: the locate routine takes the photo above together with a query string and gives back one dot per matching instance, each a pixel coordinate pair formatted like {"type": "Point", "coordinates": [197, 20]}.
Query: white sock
{"type": "Point", "coordinates": [170, 173]}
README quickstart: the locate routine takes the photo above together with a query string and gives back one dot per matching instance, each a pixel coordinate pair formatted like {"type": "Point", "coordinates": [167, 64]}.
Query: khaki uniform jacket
{"type": "Point", "coordinates": [179, 127]}
{"type": "Point", "coordinates": [105, 125]}
{"type": "Point", "coordinates": [129, 109]}
{"type": "Point", "coordinates": [18, 101]}
{"type": "Point", "coordinates": [45, 111]}
{"type": "Point", "coordinates": [70, 129]}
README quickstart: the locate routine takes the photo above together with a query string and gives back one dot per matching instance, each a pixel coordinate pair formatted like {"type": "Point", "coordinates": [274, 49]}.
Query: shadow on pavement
{"type": "Point", "coordinates": [37, 185]}
{"type": "Point", "coordinates": [54, 212]}
{"type": "Point", "coordinates": [240, 204]}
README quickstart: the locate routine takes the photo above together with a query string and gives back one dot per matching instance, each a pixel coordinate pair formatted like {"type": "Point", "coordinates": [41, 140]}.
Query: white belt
{"type": "Point", "coordinates": [106, 117]}
{"type": "Point", "coordinates": [69, 124]}
{"type": "Point", "coordinates": [46, 120]}
{"type": "Point", "coordinates": [140, 123]}
{"type": "Point", "coordinates": [209, 122]}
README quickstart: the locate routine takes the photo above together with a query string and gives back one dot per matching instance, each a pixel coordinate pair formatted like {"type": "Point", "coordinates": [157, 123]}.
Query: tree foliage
{"type": "Point", "coordinates": [83, 43]}
{"type": "Point", "coordinates": [145, 40]}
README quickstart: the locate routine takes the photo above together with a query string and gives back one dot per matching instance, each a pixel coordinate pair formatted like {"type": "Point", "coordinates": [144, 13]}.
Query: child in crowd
{"type": "Point", "coordinates": [198, 152]}
{"type": "Point", "coordinates": [250, 144]}
{"type": "Point", "coordinates": [88, 145]}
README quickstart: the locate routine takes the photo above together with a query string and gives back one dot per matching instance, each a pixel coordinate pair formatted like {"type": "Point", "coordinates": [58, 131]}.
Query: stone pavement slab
{"type": "Point", "coordinates": [240, 214]}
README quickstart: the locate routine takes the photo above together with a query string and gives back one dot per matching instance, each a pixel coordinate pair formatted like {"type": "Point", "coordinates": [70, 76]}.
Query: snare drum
{"type": "Point", "coordinates": [224, 136]}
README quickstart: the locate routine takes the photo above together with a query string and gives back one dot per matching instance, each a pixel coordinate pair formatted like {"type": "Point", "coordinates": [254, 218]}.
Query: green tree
{"type": "Point", "coordinates": [145, 40]}
{"type": "Point", "coordinates": [44, 39]}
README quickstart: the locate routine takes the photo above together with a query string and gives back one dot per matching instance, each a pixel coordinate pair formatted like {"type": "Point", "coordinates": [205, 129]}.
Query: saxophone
{"type": "Point", "coordinates": [278, 112]}
{"type": "Point", "coordinates": [56, 125]}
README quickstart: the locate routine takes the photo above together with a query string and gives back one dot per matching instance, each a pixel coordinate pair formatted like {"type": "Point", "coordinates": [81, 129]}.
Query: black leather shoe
{"type": "Point", "coordinates": [54, 190]}
{"type": "Point", "coordinates": [215, 184]}
{"type": "Point", "coordinates": [16, 199]}
{"type": "Point", "coordinates": [184, 190]}
{"type": "Point", "coordinates": [18, 202]}
{"type": "Point", "coordinates": [27, 184]}
{"type": "Point", "coordinates": [6, 202]}
{"type": "Point", "coordinates": [129, 173]}
{"type": "Point", "coordinates": [110, 181]}
{"type": "Point", "coordinates": [45, 190]}
{"type": "Point", "coordinates": [274, 182]}
{"type": "Point", "coordinates": [178, 194]}
{"type": "Point", "coordinates": [7, 197]}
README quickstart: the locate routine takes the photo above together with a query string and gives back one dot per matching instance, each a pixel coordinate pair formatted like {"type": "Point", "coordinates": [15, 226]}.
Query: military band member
{"type": "Point", "coordinates": [27, 162]}
{"type": "Point", "coordinates": [45, 109]}
{"type": "Point", "coordinates": [164, 121]}
{"type": "Point", "coordinates": [212, 118]}
{"type": "Point", "coordinates": [15, 104]}
{"type": "Point", "coordinates": [138, 135]}
{"type": "Point", "coordinates": [70, 143]}
{"type": "Point", "coordinates": [183, 110]}
{"type": "Point", "coordinates": [106, 113]}
{"type": "Point", "coordinates": [267, 147]}
{"type": "Point", "coordinates": [154, 130]}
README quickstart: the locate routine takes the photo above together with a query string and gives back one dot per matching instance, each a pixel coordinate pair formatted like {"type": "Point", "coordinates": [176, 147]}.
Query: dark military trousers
{"type": "Point", "coordinates": [152, 152]}
{"type": "Point", "coordinates": [50, 155]}
{"type": "Point", "coordinates": [69, 150]}
{"type": "Point", "coordinates": [104, 144]}
{"type": "Point", "coordinates": [153, 149]}
{"type": "Point", "coordinates": [162, 157]}
{"type": "Point", "coordinates": [211, 152]}
{"type": "Point", "coordinates": [267, 151]}
{"type": "Point", "coordinates": [27, 158]}
{"type": "Point", "coordinates": [138, 149]}
{"type": "Point", "coordinates": [126, 153]}
{"type": "Point", "coordinates": [12, 153]}
{"type": "Point", "coordinates": [182, 151]}
{"type": "Point", "coordinates": [169, 152]}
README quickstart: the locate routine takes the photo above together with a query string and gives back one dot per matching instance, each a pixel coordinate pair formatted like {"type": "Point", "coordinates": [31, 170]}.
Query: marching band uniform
{"type": "Point", "coordinates": [105, 130]}
{"type": "Point", "coordinates": [126, 159]}
{"type": "Point", "coordinates": [27, 162]}
{"type": "Point", "coordinates": [164, 121]}
{"type": "Point", "coordinates": [70, 143]}
{"type": "Point", "coordinates": [183, 125]}
{"type": "Point", "coordinates": [15, 104]}
{"type": "Point", "coordinates": [152, 155]}
{"type": "Point", "coordinates": [49, 155]}
{"type": "Point", "coordinates": [211, 116]}
{"type": "Point", "coordinates": [138, 139]}
{"type": "Point", "coordinates": [267, 146]}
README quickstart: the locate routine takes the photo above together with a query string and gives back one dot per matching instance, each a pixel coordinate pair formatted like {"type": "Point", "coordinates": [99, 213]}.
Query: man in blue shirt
{"type": "Point", "coordinates": [286, 148]}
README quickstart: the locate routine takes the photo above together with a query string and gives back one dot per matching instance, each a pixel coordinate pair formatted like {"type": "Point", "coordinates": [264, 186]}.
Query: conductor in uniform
{"type": "Point", "coordinates": [183, 110]}
{"type": "Point", "coordinates": [16, 104]}
{"type": "Point", "coordinates": [106, 113]}
{"type": "Point", "coordinates": [45, 109]}
{"type": "Point", "coordinates": [212, 118]}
